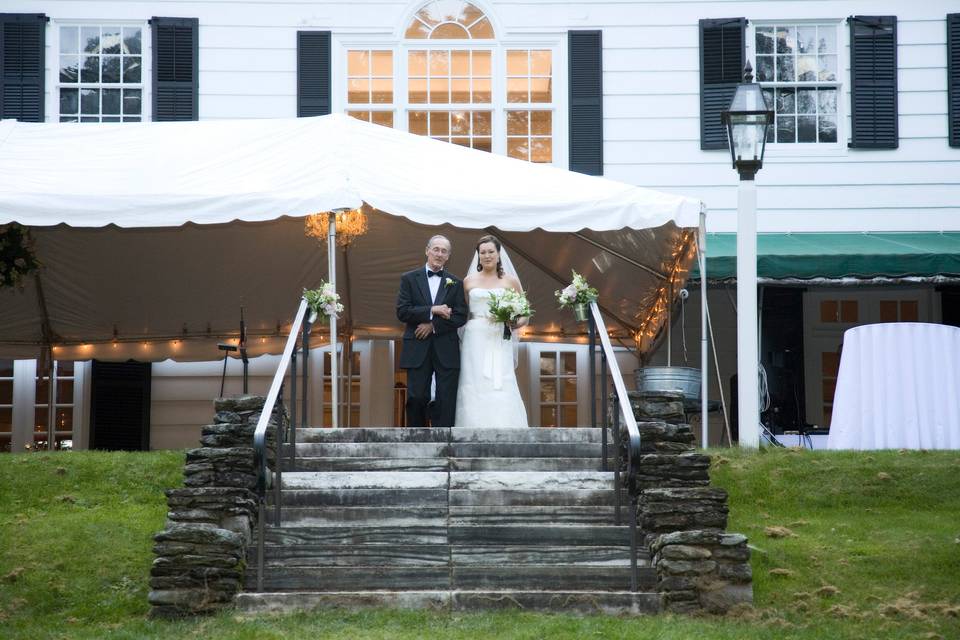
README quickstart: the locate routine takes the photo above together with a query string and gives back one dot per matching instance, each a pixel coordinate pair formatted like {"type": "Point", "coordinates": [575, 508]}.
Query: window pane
{"type": "Point", "coordinates": [450, 31]}
{"type": "Point", "coordinates": [548, 364]}
{"type": "Point", "coordinates": [807, 39]}
{"type": "Point", "coordinates": [541, 123]}
{"type": "Point", "coordinates": [40, 419]}
{"type": "Point", "coordinates": [548, 390]}
{"type": "Point", "coordinates": [541, 90]}
{"type": "Point", "coordinates": [69, 100]}
{"type": "Point", "coordinates": [541, 150]}
{"type": "Point", "coordinates": [132, 40]}
{"type": "Point", "coordinates": [569, 361]}
{"type": "Point", "coordinates": [518, 90]}
{"type": "Point", "coordinates": [829, 311]}
{"type": "Point", "coordinates": [764, 39]}
{"type": "Point", "coordinates": [417, 31]}
{"type": "Point", "coordinates": [481, 63]}
{"type": "Point", "coordinates": [826, 39]}
{"type": "Point", "coordinates": [829, 389]}
{"type": "Point", "coordinates": [569, 386]}
{"type": "Point", "coordinates": [764, 68]}
{"type": "Point", "coordinates": [90, 72]}
{"type": "Point", "coordinates": [463, 142]}
{"type": "Point", "coordinates": [482, 29]}
{"type": "Point", "coordinates": [417, 92]}
{"type": "Point", "coordinates": [888, 311]}
{"type": "Point", "coordinates": [518, 148]}
{"type": "Point", "coordinates": [827, 101]}
{"type": "Point", "coordinates": [381, 90]}
{"type": "Point", "coordinates": [64, 420]}
{"type": "Point", "coordinates": [417, 63]}
{"type": "Point", "coordinates": [90, 39]}
{"type": "Point", "coordinates": [68, 119]}
{"type": "Point", "coordinates": [417, 122]}
{"type": "Point", "coordinates": [829, 363]}
{"type": "Point", "coordinates": [786, 101]}
{"type": "Point", "coordinates": [807, 68]}
{"type": "Point", "coordinates": [806, 101]}
{"type": "Point", "coordinates": [6, 419]}
{"type": "Point", "coordinates": [483, 144]}
{"type": "Point", "coordinates": [807, 129]}
{"type": "Point", "coordinates": [828, 67]}
{"type": "Point", "coordinates": [460, 123]}
{"type": "Point", "coordinates": [439, 63]}
{"type": "Point", "coordinates": [90, 101]}
{"type": "Point", "coordinates": [69, 68]}
{"type": "Point", "coordinates": [460, 90]}
{"type": "Point", "coordinates": [64, 391]}
{"type": "Point", "coordinates": [6, 391]}
{"type": "Point", "coordinates": [785, 69]}
{"type": "Point", "coordinates": [482, 123]}
{"type": "Point", "coordinates": [482, 92]}
{"type": "Point", "coordinates": [110, 69]}
{"type": "Point", "coordinates": [909, 311]}
{"type": "Point", "coordinates": [439, 124]}
{"type": "Point", "coordinates": [111, 101]}
{"type": "Point", "coordinates": [460, 63]}
{"type": "Point", "coordinates": [131, 69]}
{"type": "Point", "coordinates": [849, 311]}
{"type": "Point", "coordinates": [518, 63]}
{"type": "Point", "coordinates": [518, 123]}
{"type": "Point", "coordinates": [439, 90]}
{"type": "Point", "coordinates": [786, 129]}
{"type": "Point", "coordinates": [69, 38]}
{"type": "Point", "coordinates": [110, 40]}
{"type": "Point", "coordinates": [384, 118]}
{"type": "Point", "coordinates": [6, 368]}
{"type": "Point", "coordinates": [786, 39]}
{"type": "Point", "coordinates": [548, 416]}
{"type": "Point", "coordinates": [541, 63]}
{"type": "Point", "coordinates": [568, 416]}
{"type": "Point", "coordinates": [358, 90]}
{"type": "Point", "coordinates": [132, 101]}
{"type": "Point", "coordinates": [358, 63]}
{"type": "Point", "coordinates": [131, 119]}
{"type": "Point", "coordinates": [827, 128]}
{"type": "Point", "coordinates": [109, 119]}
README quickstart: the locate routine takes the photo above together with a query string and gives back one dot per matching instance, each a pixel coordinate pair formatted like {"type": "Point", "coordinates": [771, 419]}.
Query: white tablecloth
{"type": "Point", "coordinates": [898, 387]}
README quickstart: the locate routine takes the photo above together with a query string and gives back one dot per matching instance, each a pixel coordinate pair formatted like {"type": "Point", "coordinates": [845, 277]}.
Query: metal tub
{"type": "Point", "coordinates": [683, 380]}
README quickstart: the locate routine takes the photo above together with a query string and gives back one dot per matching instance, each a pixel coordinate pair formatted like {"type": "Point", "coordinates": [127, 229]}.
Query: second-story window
{"type": "Point", "coordinates": [797, 64]}
{"type": "Point", "coordinates": [100, 75]}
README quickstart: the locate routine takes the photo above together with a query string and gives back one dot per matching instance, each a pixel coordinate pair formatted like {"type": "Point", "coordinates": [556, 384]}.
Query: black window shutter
{"type": "Point", "coordinates": [953, 78]}
{"type": "Point", "coordinates": [722, 58]}
{"type": "Point", "coordinates": [175, 68]}
{"type": "Point", "coordinates": [873, 82]}
{"type": "Point", "coordinates": [585, 49]}
{"type": "Point", "coordinates": [22, 44]}
{"type": "Point", "coordinates": [313, 73]}
{"type": "Point", "coordinates": [120, 406]}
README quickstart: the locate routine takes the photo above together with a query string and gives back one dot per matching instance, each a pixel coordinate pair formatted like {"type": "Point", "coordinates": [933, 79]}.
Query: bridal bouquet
{"type": "Point", "coordinates": [323, 302]}
{"type": "Point", "coordinates": [577, 296]}
{"type": "Point", "coordinates": [507, 307]}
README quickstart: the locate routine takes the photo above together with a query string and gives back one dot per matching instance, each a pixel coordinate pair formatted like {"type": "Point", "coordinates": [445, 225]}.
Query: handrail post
{"type": "Point", "coordinates": [592, 329]}
{"type": "Point", "coordinates": [616, 455]}
{"type": "Point", "coordinates": [634, 578]}
{"type": "Point", "coordinates": [604, 411]}
{"type": "Point", "coordinates": [304, 413]}
{"type": "Point", "coordinates": [261, 531]}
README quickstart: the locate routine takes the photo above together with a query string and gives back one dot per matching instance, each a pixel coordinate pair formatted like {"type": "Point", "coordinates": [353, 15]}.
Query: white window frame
{"type": "Point", "coordinates": [534, 349]}
{"type": "Point", "coordinates": [803, 149]}
{"type": "Point", "coordinates": [53, 67]}
{"type": "Point", "coordinates": [556, 43]}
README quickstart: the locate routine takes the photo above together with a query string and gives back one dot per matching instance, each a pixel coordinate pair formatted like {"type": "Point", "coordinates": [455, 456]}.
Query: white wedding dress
{"type": "Point", "coordinates": [488, 396]}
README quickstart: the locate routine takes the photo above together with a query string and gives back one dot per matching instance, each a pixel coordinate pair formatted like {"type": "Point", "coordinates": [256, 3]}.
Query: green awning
{"type": "Point", "coordinates": [839, 255]}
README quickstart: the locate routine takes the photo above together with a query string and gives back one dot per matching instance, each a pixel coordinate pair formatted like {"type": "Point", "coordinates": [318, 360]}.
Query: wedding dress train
{"type": "Point", "coordinates": [488, 395]}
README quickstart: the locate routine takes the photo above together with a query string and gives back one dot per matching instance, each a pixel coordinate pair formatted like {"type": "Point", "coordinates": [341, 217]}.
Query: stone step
{"type": "Point", "coordinates": [362, 498]}
{"type": "Point", "coordinates": [390, 555]}
{"type": "Point", "coordinates": [330, 480]}
{"type": "Point", "coordinates": [519, 577]}
{"type": "Point", "coordinates": [447, 450]}
{"type": "Point", "coordinates": [558, 499]}
{"type": "Point", "coordinates": [339, 463]}
{"type": "Point", "coordinates": [531, 480]}
{"type": "Point", "coordinates": [583, 602]}
{"type": "Point", "coordinates": [351, 517]}
{"type": "Point", "coordinates": [530, 515]}
{"type": "Point", "coordinates": [406, 434]}
{"type": "Point", "coordinates": [604, 535]}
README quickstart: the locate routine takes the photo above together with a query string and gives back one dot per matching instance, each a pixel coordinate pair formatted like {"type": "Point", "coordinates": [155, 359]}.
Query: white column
{"type": "Point", "coordinates": [332, 279]}
{"type": "Point", "coordinates": [748, 396]}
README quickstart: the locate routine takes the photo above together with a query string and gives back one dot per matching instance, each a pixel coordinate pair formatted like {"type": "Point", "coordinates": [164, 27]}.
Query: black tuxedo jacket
{"type": "Point", "coordinates": [413, 307]}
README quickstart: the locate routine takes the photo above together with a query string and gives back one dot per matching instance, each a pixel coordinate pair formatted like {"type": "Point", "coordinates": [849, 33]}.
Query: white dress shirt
{"type": "Point", "coordinates": [434, 284]}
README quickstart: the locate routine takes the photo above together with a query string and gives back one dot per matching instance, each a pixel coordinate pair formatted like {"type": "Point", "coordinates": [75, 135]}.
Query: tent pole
{"type": "Point", "coordinates": [704, 355]}
{"type": "Point", "coordinates": [332, 279]}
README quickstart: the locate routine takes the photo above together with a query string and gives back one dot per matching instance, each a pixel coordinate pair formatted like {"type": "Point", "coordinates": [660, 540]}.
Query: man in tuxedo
{"type": "Point", "coordinates": [432, 305]}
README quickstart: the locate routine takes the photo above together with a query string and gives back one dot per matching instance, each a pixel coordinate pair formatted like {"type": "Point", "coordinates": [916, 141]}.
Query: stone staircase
{"type": "Point", "coordinates": [452, 519]}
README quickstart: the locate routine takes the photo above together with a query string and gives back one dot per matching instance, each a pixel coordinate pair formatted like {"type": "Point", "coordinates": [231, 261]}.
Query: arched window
{"type": "Point", "coordinates": [452, 78]}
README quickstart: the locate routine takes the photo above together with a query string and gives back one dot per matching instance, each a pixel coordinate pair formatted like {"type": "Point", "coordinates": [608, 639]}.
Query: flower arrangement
{"type": "Point", "coordinates": [577, 296]}
{"type": "Point", "coordinates": [323, 302]}
{"type": "Point", "coordinates": [507, 307]}
{"type": "Point", "coordinates": [17, 259]}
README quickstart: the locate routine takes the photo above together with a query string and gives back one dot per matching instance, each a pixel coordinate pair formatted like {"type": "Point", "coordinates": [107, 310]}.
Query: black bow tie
{"type": "Point", "coordinates": [430, 274]}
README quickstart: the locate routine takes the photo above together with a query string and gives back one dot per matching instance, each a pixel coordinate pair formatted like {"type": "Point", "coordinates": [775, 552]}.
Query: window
{"type": "Point", "coordinates": [63, 402]}
{"type": "Point", "coordinates": [100, 77]}
{"type": "Point", "coordinates": [899, 311]}
{"type": "Point", "coordinates": [348, 395]}
{"type": "Point", "coordinates": [834, 311]}
{"type": "Point", "coordinates": [558, 389]}
{"type": "Point", "coordinates": [797, 65]}
{"type": "Point", "coordinates": [451, 79]}
{"type": "Point", "coordinates": [6, 404]}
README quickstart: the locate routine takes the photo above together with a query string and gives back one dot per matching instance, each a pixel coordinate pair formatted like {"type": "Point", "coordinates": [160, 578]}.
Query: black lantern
{"type": "Point", "coordinates": [747, 120]}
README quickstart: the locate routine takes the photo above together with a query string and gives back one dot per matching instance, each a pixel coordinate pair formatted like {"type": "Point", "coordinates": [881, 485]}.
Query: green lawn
{"type": "Point", "coordinates": [869, 548]}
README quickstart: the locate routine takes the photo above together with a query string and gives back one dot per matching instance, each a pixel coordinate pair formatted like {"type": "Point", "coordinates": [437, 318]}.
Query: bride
{"type": "Point", "coordinates": [488, 395]}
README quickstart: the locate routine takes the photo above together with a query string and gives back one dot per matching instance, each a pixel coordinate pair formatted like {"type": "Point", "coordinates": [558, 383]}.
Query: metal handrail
{"type": "Point", "coordinates": [631, 437]}
{"type": "Point", "coordinates": [260, 435]}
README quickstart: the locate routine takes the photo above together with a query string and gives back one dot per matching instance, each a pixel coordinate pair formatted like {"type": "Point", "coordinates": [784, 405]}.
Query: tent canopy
{"type": "Point", "coordinates": [839, 255]}
{"type": "Point", "coordinates": [153, 235]}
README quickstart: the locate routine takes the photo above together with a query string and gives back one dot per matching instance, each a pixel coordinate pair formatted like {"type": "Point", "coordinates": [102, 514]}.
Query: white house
{"type": "Point", "coordinates": [859, 197]}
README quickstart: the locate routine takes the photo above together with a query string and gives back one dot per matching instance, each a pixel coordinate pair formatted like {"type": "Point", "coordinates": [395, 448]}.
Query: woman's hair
{"type": "Point", "coordinates": [492, 240]}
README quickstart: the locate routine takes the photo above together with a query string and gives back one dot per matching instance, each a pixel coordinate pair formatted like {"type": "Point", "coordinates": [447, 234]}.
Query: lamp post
{"type": "Point", "coordinates": [747, 121]}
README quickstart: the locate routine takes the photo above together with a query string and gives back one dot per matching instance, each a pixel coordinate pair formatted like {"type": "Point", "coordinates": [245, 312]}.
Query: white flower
{"type": "Point", "coordinates": [450, 281]}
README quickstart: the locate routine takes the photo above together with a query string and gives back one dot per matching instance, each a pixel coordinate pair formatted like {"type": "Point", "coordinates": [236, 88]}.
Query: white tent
{"type": "Point", "coordinates": [152, 236]}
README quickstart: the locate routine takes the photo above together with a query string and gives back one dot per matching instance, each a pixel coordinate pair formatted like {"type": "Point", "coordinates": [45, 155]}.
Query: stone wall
{"type": "Point", "coordinates": [201, 552]}
{"type": "Point", "coordinates": [702, 570]}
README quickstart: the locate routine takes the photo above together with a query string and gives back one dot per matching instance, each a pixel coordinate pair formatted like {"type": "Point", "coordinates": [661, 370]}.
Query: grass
{"type": "Point", "coordinates": [868, 547]}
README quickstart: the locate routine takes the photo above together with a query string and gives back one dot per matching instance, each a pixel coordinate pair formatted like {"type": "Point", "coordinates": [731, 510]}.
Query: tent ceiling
{"type": "Point", "coordinates": [155, 278]}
